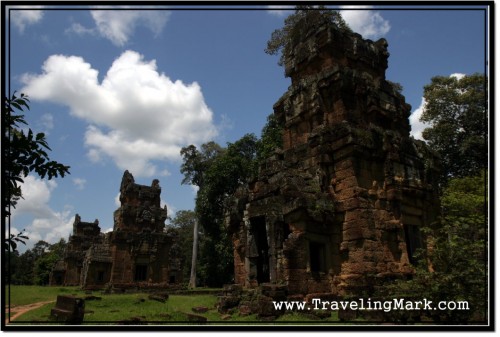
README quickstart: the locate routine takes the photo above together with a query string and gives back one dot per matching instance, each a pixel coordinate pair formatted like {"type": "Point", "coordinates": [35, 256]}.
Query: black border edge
{"type": "Point", "coordinates": [261, 5]}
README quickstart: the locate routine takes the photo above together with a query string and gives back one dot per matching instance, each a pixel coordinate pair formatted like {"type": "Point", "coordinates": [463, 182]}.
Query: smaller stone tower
{"type": "Point", "coordinates": [84, 235]}
{"type": "Point", "coordinates": [139, 253]}
{"type": "Point", "coordinates": [141, 250]}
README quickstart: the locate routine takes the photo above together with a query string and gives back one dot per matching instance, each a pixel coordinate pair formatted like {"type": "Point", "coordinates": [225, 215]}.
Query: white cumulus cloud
{"type": "Point", "coordinates": [417, 127]}
{"type": "Point", "coordinates": [119, 25]}
{"type": "Point", "coordinates": [370, 24]}
{"type": "Point", "coordinates": [194, 189]}
{"type": "Point", "coordinates": [23, 16]}
{"type": "Point", "coordinates": [117, 200]}
{"type": "Point", "coordinates": [171, 209]}
{"type": "Point", "coordinates": [136, 115]}
{"type": "Point", "coordinates": [48, 225]}
{"type": "Point", "coordinates": [36, 195]}
{"type": "Point", "coordinates": [280, 10]}
{"type": "Point", "coordinates": [458, 76]}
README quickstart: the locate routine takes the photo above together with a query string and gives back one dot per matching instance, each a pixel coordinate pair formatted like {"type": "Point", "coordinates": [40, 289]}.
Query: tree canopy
{"type": "Point", "coordinates": [34, 265]}
{"type": "Point", "coordinates": [271, 138]}
{"type": "Point", "coordinates": [196, 162]}
{"type": "Point", "coordinates": [304, 18]}
{"type": "Point", "coordinates": [455, 265]}
{"type": "Point", "coordinates": [456, 109]}
{"type": "Point", "coordinates": [24, 152]}
{"type": "Point", "coordinates": [184, 222]}
{"type": "Point", "coordinates": [218, 172]}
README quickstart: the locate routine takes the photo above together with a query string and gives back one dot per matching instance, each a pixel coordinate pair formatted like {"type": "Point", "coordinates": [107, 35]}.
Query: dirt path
{"type": "Point", "coordinates": [15, 312]}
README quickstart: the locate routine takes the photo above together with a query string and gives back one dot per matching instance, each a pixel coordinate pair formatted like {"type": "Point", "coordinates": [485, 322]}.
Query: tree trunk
{"type": "Point", "coordinates": [192, 279]}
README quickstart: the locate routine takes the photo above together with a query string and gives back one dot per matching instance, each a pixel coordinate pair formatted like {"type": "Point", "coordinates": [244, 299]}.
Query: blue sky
{"type": "Point", "coordinates": [126, 89]}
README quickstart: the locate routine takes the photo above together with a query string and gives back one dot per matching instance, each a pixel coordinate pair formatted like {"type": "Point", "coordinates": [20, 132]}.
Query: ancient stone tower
{"type": "Point", "coordinates": [139, 253]}
{"type": "Point", "coordinates": [338, 209]}
{"type": "Point", "coordinates": [84, 235]}
{"type": "Point", "coordinates": [142, 252]}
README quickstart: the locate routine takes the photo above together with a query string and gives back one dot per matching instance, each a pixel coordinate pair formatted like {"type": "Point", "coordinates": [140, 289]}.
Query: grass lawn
{"type": "Point", "coordinates": [137, 308]}
{"type": "Point", "coordinates": [22, 295]}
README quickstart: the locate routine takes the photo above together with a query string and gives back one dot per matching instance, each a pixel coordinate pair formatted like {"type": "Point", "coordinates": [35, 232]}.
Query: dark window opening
{"type": "Point", "coordinates": [141, 271]}
{"type": "Point", "coordinates": [286, 231]}
{"type": "Point", "coordinates": [317, 257]}
{"type": "Point", "coordinates": [100, 276]}
{"type": "Point", "coordinates": [258, 225]}
{"type": "Point", "coordinates": [413, 241]}
{"type": "Point", "coordinates": [59, 280]}
{"type": "Point", "coordinates": [171, 279]}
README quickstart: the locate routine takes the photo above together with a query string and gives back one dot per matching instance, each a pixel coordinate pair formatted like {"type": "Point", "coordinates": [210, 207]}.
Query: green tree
{"type": "Point", "coordinates": [13, 239]}
{"type": "Point", "coordinates": [195, 163]}
{"type": "Point", "coordinates": [455, 265]}
{"type": "Point", "coordinates": [58, 248]}
{"type": "Point", "coordinates": [229, 171]}
{"type": "Point", "coordinates": [26, 152]}
{"type": "Point", "coordinates": [271, 138]}
{"type": "Point", "coordinates": [40, 248]}
{"type": "Point", "coordinates": [22, 267]}
{"type": "Point", "coordinates": [304, 19]}
{"type": "Point", "coordinates": [11, 266]}
{"type": "Point", "coordinates": [456, 109]}
{"type": "Point", "coordinates": [184, 221]}
{"type": "Point", "coordinates": [217, 172]}
{"type": "Point", "coordinates": [47, 256]}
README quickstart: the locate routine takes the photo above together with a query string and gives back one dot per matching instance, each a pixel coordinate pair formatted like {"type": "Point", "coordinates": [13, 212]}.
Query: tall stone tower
{"type": "Point", "coordinates": [141, 250]}
{"type": "Point", "coordinates": [338, 209]}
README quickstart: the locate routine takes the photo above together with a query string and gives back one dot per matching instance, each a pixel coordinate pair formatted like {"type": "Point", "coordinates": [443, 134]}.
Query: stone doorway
{"type": "Point", "coordinates": [413, 241]}
{"type": "Point", "coordinates": [141, 272]}
{"type": "Point", "coordinates": [261, 257]}
{"type": "Point", "coordinates": [317, 257]}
